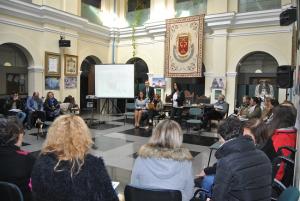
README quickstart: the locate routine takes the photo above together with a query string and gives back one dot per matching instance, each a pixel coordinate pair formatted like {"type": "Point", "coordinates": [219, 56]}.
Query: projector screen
{"type": "Point", "coordinates": [114, 81]}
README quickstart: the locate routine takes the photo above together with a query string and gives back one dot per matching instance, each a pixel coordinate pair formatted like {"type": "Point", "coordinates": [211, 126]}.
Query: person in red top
{"type": "Point", "coordinates": [283, 132]}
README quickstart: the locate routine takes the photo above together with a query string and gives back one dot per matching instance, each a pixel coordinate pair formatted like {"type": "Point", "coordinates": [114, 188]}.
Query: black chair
{"type": "Point", "coordinates": [10, 192]}
{"type": "Point", "coordinates": [288, 163]}
{"type": "Point", "coordinates": [145, 194]}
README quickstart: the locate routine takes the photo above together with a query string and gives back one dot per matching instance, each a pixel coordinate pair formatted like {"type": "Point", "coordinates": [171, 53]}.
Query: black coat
{"type": "Point", "coordinates": [243, 172]}
{"type": "Point", "coordinates": [16, 167]}
{"type": "Point", "coordinates": [92, 183]}
{"type": "Point", "coordinates": [150, 94]}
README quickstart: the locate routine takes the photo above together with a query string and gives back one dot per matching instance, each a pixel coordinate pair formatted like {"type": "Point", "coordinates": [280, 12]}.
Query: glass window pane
{"type": "Point", "coordinates": [258, 5]}
{"type": "Point", "coordinates": [138, 12]}
{"type": "Point", "coordinates": [90, 10]}
{"type": "Point", "coordinates": [184, 8]}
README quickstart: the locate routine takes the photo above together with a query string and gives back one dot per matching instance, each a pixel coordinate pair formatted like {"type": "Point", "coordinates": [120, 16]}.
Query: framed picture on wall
{"type": "Point", "coordinates": [71, 65]}
{"type": "Point", "coordinates": [52, 83]}
{"type": "Point", "coordinates": [52, 64]}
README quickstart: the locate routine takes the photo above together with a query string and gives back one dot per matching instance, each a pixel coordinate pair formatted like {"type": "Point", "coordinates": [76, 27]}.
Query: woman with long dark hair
{"type": "Point", "coordinates": [16, 164]}
{"type": "Point", "coordinates": [177, 98]}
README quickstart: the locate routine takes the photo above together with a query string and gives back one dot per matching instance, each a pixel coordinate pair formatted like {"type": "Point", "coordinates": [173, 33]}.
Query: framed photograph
{"type": "Point", "coordinates": [70, 82]}
{"type": "Point", "coordinates": [52, 83]}
{"type": "Point", "coordinates": [71, 65]}
{"type": "Point", "coordinates": [52, 64]}
{"type": "Point", "coordinates": [218, 83]}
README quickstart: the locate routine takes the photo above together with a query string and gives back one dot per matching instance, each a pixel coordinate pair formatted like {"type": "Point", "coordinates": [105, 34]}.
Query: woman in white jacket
{"type": "Point", "coordinates": [163, 163]}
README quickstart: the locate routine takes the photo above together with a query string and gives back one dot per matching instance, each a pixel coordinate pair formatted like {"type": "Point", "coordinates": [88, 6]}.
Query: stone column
{"type": "Point", "coordinates": [36, 80]}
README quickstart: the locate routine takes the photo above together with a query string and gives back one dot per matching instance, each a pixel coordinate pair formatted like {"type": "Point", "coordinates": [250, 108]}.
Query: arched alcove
{"type": "Point", "coordinates": [87, 78]}
{"type": "Point", "coordinates": [14, 63]}
{"type": "Point", "coordinates": [257, 76]}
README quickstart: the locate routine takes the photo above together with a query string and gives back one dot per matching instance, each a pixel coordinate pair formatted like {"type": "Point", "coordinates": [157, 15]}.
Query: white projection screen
{"type": "Point", "coordinates": [114, 81]}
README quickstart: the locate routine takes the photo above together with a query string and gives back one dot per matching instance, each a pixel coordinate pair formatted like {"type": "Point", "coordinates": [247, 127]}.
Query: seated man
{"type": "Point", "coordinates": [14, 106]}
{"type": "Point", "coordinates": [218, 111]}
{"type": "Point", "coordinates": [244, 108]}
{"type": "Point", "coordinates": [35, 109]}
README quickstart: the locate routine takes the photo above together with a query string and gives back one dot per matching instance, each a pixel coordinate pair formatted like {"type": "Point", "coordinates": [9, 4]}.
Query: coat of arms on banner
{"type": "Point", "coordinates": [183, 47]}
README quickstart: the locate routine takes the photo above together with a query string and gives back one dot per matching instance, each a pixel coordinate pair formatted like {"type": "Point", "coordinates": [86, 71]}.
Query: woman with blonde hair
{"type": "Point", "coordinates": [65, 170]}
{"type": "Point", "coordinates": [163, 163]}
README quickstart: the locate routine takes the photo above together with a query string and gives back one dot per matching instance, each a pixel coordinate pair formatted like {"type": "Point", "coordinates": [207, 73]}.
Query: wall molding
{"type": "Point", "coordinates": [36, 69]}
{"type": "Point", "coordinates": [152, 29]}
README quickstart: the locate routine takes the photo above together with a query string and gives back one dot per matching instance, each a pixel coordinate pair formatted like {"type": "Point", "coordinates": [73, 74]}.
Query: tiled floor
{"type": "Point", "coordinates": [118, 144]}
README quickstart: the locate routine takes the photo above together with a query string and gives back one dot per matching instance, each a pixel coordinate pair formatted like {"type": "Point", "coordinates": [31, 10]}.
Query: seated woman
{"type": "Point", "coordinates": [16, 165]}
{"type": "Point", "coordinates": [140, 108]}
{"type": "Point", "coordinates": [283, 132]}
{"type": "Point", "coordinates": [65, 170]}
{"type": "Point", "coordinates": [51, 106]}
{"type": "Point", "coordinates": [163, 163]}
{"type": "Point", "coordinates": [155, 107]}
{"type": "Point", "coordinates": [15, 106]}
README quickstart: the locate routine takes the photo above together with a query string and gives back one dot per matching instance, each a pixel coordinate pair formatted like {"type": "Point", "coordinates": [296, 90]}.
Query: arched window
{"type": "Point", "coordinates": [258, 5]}
{"type": "Point", "coordinates": [138, 12]}
{"type": "Point", "coordinates": [184, 8]}
{"type": "Point", "coordinates": [13, 69]}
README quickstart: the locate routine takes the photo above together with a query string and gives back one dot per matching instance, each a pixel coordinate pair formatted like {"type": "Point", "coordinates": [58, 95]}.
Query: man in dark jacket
{"type": "Point", "coordinates": [148, 91]}
{"type": "Point", "coordinates": [243, 172]}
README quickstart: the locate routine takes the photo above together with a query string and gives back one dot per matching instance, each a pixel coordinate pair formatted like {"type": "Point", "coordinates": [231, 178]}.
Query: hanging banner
{"type": "Point", "coordinates": [184, 46]}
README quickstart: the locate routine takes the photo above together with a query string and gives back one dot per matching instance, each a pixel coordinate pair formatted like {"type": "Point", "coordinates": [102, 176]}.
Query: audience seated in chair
{"type": "Point", "coordinates": [65, 170]}
{"type": "Point", "coordinates": [218, 112]}
{"type": "Point", "coordinates": [244, 108]}
{"type": "Point", "coordinates": [35, 109]}
{"type": "Point", "coordinates": [140, 109]}
{"type": "Point", "coordinates": [283, 133]}
{"type": "Point", "coordinates": [16, 165]}
{"type": "Point", "coordinates": [255, 109]}
{"type": "Point", "coordinates": [243, 172]}
{"type": "Point", "coordinates": [15, 107]}
{"type": "Point", "coordinates": [51, 107]}
{"type": "Point", "coordinates": [163, 163]}
{"type": "Point", "coordinates": [155, 108]}
{"type": "Point", "coordinates": [72, 104]}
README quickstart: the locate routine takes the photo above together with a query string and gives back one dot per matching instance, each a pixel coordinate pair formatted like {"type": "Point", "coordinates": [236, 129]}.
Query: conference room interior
{"type": "Point", "coordinates": [101, 52]}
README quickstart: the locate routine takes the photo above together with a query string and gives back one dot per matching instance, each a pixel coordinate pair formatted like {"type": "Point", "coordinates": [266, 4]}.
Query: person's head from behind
{"type": "Point", "coordinates": [11, 132]}
{"type": "Point", "coordinates": [167, 134]}
{"type": "Point", "coordinates": [70, 140]}
{"type": "Point", "coordinates": [283, 117]}
{"type": "Point", "coordinates": [257, 130]}
{"type": "Point", "coordinates": [221, 97]}
{"type": "Point", "coordinates": [230, 128]}
{"type": "Point", "coordinates": [246, 100]}
{"type": "Point", "coordinates": [254, 101]}
{"type": "Point", "coordinates": [274, 102]}
{"type": "Point", "coordinates": [141, 95]}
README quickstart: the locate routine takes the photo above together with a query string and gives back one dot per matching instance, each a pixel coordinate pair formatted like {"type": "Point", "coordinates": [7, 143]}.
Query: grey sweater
{"type": "Point", "coordinates": [152, 171]}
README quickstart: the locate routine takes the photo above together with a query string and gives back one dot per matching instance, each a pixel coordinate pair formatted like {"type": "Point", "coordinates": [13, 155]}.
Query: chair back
{"type": "Point", "coordinates": [130, 106]}
{"type": "Point", "coordinates": [289, 194]}
{"type": "Point", "coordinates": [10, 192]}
{"type": "Point", "coordinates": [195, 112]}
{"type": "Point", "coordinates": [142, 194]}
